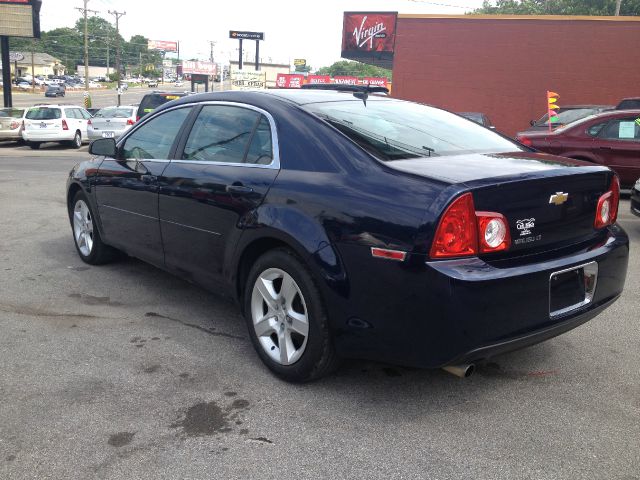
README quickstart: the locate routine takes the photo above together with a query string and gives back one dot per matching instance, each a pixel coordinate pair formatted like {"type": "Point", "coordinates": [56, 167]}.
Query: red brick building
{"type": "Point", "coordinates": [503, 65]}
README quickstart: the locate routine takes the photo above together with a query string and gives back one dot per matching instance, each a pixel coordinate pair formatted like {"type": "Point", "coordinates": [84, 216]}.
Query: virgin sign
{"type": "Point", "coordinates": [370, 32]}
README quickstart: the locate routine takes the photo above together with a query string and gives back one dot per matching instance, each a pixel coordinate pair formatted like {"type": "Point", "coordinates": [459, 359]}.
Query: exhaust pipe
{"type": "Point", "coordinates": [462, 371]}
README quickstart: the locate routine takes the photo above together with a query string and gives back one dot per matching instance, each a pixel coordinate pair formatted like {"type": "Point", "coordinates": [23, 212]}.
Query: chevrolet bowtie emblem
{"type": "Point", "coordinates": [559, 198]}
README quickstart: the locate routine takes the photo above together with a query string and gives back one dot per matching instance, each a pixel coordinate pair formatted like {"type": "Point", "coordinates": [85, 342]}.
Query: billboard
{"type": "Point", "coordinates": [369, 37]}
{"type": "Point", "coordinates": [198, 68]}
{"type": "Point", "coordinates": [287, 80]}
{"type": "Point", "coordinates": [164, 45]}
{"type": "Point", "coordinates": [248, 80]}
{"type": "Point", "coordinates": [318, 79]}
{"type": "Point", "coordinates": [20, 18]}
{"type": "Point", "coordinates": [237, 35]}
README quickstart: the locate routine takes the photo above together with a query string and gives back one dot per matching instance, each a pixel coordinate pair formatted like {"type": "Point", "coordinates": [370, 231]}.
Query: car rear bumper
{"type": "Point", "coordinates": [454, 311]}
{"type": "Point", "coordinates": [11, 134]}
{"type": "Point", "coordinates": [52, 136]}
{"type": "Point", "coordinates": [96, 134]}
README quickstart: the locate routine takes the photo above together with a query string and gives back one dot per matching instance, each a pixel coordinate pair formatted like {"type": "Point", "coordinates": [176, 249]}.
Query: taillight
{"type": "Point", "coordinates": [525, 141]}
{"type": "Point", "coordinates": [137, 117]}
{"type": "Point", "coordinates": [463, 232]}
{"type": "Point", "coordinates": [89, 122]}
{"type": "Point", "coordinates": [457, 235]}
{"type": "Point", "coordinates": [130, 121]}
{"type": "Point", "coordinates": [607, 209]}
{"type": "Point", "coordinates": [64, 125]}
{"type": "Point", "coordinates": [14, 125]}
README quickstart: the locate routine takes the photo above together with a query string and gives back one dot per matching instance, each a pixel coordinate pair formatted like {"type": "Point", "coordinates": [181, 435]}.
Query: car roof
{"type": "Point", "coordinates": [293, 96]}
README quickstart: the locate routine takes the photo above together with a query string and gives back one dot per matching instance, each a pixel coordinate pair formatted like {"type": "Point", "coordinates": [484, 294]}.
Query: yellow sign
{"type": "Point", "coordinates": [300, 62]}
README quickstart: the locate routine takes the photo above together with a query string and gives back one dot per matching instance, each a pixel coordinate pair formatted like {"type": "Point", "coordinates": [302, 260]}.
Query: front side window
{"type": "Point", "coordinates": [395, 130]}
{"type": "Point", "coordinates": [222, 133]}
{"type": "Point", "coordinates": [622, 129]}
{"type": "Point", "coordinates": [154, 139]}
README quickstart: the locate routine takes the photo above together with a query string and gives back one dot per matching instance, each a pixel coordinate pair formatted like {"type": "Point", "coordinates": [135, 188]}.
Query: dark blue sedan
{"type": "Point", "coordinates": [354, 225]}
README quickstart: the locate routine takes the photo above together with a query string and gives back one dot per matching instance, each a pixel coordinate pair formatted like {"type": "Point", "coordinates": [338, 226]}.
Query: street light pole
{"type": "Point", "coordinates": [118, 15]}
{"type": "Point", "coordinates": [84, 11]}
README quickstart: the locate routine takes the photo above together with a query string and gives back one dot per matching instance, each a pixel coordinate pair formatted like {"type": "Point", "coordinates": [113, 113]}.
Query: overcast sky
{"type": "Point", "coordinates": [293, 28]}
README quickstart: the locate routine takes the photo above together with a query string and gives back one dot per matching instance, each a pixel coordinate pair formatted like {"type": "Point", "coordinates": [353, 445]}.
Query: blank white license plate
{"type": "Point", "coordinates": [108, 134]}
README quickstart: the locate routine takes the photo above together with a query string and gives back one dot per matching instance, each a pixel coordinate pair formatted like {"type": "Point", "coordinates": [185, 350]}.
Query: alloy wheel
{"type": "Point", "coordinates": [279, 314]}
{"type": "Point", "coordinates": [83, 227]}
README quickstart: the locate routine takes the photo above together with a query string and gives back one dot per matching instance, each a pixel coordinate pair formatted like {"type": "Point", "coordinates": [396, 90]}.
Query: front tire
{"type": "Point", "coordinates": [286, 318]}
{"type": "Point", "coordinates": [85, 233]}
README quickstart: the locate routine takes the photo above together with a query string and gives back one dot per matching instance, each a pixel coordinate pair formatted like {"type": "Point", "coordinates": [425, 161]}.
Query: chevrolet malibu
{"type": "Point", "coordinates": [354, 225]}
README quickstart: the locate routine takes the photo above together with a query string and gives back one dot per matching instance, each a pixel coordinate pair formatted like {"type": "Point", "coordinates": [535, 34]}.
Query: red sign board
{"type": "Point", "coordinates": [369, 32]}
{"type": "Point", "coordinates": [375, 82]}
{"type": "Point", "coordinates": [14, 1]}
{"type": "Point", "coordinates": [198, 68]}
{"type": "Point", "coordinates": [318, 79]}
{"type": "Point", "coordinates": [286, 80]}
{"type": "Point", "coordinates": [346, 80]}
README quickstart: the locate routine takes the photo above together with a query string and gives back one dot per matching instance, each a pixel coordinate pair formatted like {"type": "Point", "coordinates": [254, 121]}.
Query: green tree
{"type": "Point", "coordinates": [558, 7]}
{"type": "Point", "coordinates": [355, 69]}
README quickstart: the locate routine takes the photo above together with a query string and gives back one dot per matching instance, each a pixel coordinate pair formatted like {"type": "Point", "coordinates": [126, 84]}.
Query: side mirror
{"type": "Point", "coordinates": [103, 147]}
{"type": "Point", "coordinates": [532, 122]}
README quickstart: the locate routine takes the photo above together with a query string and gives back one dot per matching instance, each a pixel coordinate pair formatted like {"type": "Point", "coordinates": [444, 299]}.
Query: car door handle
{"type": "Point", "coordinates": [148, 179]}
{"type": "Point", "coordinates": [238, 189]}
{"type": "Point", "coordinates": [604, 148]}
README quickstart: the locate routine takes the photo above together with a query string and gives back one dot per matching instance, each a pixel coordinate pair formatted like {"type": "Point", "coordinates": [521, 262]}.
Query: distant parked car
{"type": "Point", "coordinates": [479, 118]}
{"type": "Point", "coordinates": [54, 91]}
{"type": "Point", "coordinates": [24, 86]}
{"type": "Point", "coordinates": [151, 101]}
{"type": "Point", "coordinates": [152, 84]}
{"type": "Point", "coordinates": [566, 115]}
{"type": "Point", "coordinates": [111, 122]}
{"type": "Point", "coordinates": [11, 123]}
{"type": "Point", "coordinates": [632, 103]}
{"type": "Point", "coordinates": [610, 138]}
{"type": "Point", "coordinates": [635, 198]}
{"type": "Point", "coordinates": [55, 123]}
{"type": "Point", "coordinates": [179, 84]}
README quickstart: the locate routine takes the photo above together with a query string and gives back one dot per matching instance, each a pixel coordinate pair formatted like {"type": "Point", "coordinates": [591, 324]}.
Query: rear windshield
{"type": "Point", "coordinates": [114, 113]}
{"type": "Point", "coordinates": [11, 112]}
{"type": "Point", "coordinates": [394, 130]}
{"type": "Point", "coordinates": [568, 116]}
{"type": "Point", "coordinates": [152, 101]}
{"type": "Point", "coordinates": [44, 113]}
{"type": "Point", "coordinates": [630, 104]}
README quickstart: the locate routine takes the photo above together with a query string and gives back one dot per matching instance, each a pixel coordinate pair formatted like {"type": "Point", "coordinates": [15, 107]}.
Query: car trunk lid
{"type": "Point", "coordinates": [548, 202]}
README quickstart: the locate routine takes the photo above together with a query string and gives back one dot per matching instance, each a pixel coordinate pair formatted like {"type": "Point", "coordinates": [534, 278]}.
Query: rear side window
{"type": "Point", "coordinates": [222, 134]}
{"type": "Point", "coordinates": [623, 129]}
{"type": "Point", "coordinates": [154, 139]}
{"type": "Point", "coordinates": [71, 113]}
{"type": "Point", "coordinates": [44, 113]}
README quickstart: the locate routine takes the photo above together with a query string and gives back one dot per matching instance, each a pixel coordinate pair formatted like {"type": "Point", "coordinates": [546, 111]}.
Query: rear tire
{"type": "Point", "coordinates": [85, 233]}
{"type": "Point", "coordinates": [77, 140]}
{"type": "Point", "coordinates": [286, 318]}
{"type": "Point", "coordinates": [34, 145]}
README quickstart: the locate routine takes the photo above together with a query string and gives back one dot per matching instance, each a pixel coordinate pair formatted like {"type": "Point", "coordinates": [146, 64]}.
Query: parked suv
{"type": "Point", "coordinates": [66, 124]}
{"type": "Point", "coordinates": [151, 101]}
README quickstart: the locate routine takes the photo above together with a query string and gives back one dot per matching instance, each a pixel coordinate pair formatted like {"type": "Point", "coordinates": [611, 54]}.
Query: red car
{"type": "Point", "coordinates": [610, 138]}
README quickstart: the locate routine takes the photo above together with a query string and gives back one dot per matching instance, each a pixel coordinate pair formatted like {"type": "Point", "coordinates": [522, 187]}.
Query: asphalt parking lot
{"type": "Point", "coordinates": [126, 372]}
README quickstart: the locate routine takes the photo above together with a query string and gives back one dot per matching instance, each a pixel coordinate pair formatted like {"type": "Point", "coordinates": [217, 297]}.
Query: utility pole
{"type": "Point", "coordinates": [618, 3]}
{"type": "Point", "coordinates": [117, 15]}
{"type": "Point", "coordinates": [108, 39]}
{"type": "Point", "coordinates": [33, 68]}
{"type": "Point", "coordinates": [85, 11]}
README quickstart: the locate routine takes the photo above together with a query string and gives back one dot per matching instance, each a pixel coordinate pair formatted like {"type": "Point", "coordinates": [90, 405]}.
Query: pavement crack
{"type": "Point", "coordinates": [210, 331]}
{"type": "Point", "coordinates": [37, 312]}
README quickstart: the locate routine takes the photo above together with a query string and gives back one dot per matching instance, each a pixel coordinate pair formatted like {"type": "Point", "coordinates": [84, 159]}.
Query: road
{"type": "Point", "coordinates": [126, 372]}
{"type": "Point", "coordinates": [103, 97]}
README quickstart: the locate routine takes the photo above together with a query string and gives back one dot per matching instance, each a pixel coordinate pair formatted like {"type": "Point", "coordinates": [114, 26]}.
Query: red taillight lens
{"type": "Point", "coordinates": [130, 121]}
{"type": "Point", "coordinates": [89, 122]}
{"type": "Point", "coordinates": [607, 209]}
{"type": "Point", "coordinates": [64, 125]}
{"type": "Point", "coordinates": [493, 232]}
{"type": "Point", "coordinates": [13, 125]}
{"type": "Point", "coordinates": [525, 141]}
{"type": "Point", "coordinates": [456, 234]}
{"type": "Point", "coordinates": [137, 117]}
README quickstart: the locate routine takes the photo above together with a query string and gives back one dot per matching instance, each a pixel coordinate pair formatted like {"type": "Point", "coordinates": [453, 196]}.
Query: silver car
{"type": "Point", "coordinates": [111, 122]}
{"type": "Point", "coordinates": [11, 123]}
